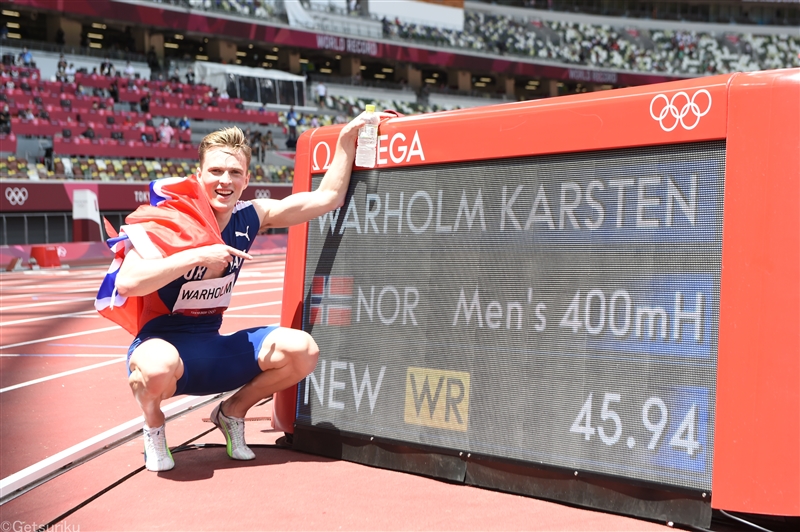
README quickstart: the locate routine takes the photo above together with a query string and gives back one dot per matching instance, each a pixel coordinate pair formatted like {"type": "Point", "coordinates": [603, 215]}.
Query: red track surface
{"type": "Point", "coordinates": [48, 327]}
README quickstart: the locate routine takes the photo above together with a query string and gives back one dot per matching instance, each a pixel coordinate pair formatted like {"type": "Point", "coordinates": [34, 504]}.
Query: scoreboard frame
{"type": "Point", "coordinates": [756, 467]}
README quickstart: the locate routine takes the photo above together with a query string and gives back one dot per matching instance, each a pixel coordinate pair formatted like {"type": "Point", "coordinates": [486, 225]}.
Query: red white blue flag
{"type": "Point", "coordinates": [179, 217]}
{"type": "Point", "coordinates": [331, 300]}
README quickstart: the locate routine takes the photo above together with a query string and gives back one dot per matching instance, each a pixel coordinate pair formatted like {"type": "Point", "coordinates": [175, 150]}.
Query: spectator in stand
{"type": "Point", "coordinates": [165, 132]}
{"type": "Point", "coordinates": [25, 58]}
{"type": "Point", "coordinates": [268, 142]}
{"type": "Point", "coordinates": [144, 102]}
{"type": "Point", "coordinates": [314, 122]}
{"type": "Point", "coordinates": [5, 120]}
{"type": "Point", "coordinates": [184, 123]}
{"type": "Point", "coordinates": [70, 73]}
{"type": "Point", "coordinates": [113, 91]}
{"type": "Point", "coordinates": [262, 109]}
{"type": "Point", "coordinates": [224, 95]}
{"type": "Point", "coordinates": [129, 71]}
{"type": "Point", "coordinates": [89, 133]}
{"type": "Point", "coordinates": [27, 114]}
{"type": "Point", "coordinates": [255, 143]}
{"type": "Point", "coordinates": [189, 76]}
{"type": "Point", "coordinates": [62, 65]}
{"type": "Point", "coordinates": [106, 68]}
{"type": "Point", "coordinates": [291, 122]}
{"type": "Point", "coordinates": [322, 91]}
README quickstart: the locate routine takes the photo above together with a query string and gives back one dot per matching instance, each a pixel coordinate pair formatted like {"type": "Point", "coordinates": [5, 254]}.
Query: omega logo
{"type": "Point", "coordinates": [315, 155]}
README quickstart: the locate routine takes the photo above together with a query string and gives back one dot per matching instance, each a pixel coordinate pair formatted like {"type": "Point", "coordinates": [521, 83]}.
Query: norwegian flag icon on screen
{"type": "Point", "coordinates": [331, 300]}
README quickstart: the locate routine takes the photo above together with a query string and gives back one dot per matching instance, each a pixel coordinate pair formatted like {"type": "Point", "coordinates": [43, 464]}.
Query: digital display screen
{"type": "Point", "coordinates": [559, 310]}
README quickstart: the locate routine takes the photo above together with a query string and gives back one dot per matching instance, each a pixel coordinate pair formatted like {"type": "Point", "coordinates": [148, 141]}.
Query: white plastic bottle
{"type": "Point", "coordinates": [367, 146]}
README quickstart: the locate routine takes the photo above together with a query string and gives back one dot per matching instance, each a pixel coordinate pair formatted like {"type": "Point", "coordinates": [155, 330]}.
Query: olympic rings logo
{"type": "Point", "coordinates": [262, 193]}
{"type": "Point", "coordinates": [16, 196]}
{"type": "Point", "coordinates": [670, 108]}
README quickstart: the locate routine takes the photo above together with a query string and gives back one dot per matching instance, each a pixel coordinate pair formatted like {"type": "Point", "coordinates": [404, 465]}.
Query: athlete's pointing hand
{"type": "Point", "coordinates": [217, 257]}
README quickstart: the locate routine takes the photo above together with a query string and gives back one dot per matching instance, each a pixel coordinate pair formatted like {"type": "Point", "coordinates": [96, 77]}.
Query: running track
{"type": "Point", "coordinates": [63, 381]}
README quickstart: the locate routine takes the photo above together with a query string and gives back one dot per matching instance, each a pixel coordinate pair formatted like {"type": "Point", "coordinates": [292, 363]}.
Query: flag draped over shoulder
{"type": "Point", "coordinates": [179, 217]}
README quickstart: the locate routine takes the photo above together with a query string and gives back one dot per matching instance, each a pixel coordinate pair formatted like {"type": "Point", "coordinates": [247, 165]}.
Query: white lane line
{"type": "Point", "coordinates": [66, 283]}
{"type": "Point", "coordinates": [257, 316]}
{"type": "Point", "coordinates": [87, 449]}
{"type": "Point", "coordinates": [97, 346]}
{"type": "Point", "coordinates": [261, 281]}
{"type": "Point", "coordinates": [46, 294]}
{"type": "Point", "coordinates": [262, 291]}
{"type": "Point", "coordinates": [59, 355]}
{"type": "Point", "coordinates": [243, 307]}
{"type": "Point", "coordinates": [63, 374]}
{"type": "Point", "coordinates": [54, 317]}
{"type": "Point", "coordinates": [84, 314]}
{"type": "Point", "coordinates": [70, 335]}
{"type": "Point", "coordinates": [266, 266]}
{"type": "Point", "coordinates": [47, 303]}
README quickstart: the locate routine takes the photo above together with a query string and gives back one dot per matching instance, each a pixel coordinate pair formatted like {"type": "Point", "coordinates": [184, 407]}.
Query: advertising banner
{"type": "Point", "coordinates": [36, 196]}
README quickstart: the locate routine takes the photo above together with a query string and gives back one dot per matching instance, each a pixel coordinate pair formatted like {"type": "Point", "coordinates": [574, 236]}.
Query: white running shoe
{"type": "Point", "coordinates": [233, 429]}
{"type": "Point", "coordinates": [156, 453]}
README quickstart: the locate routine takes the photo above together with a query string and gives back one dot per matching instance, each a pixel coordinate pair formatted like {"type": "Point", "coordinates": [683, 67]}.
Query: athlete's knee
{"type": "Point", "coordinates": [299, 348]}
{"type": "Point", "coordinates": [303, 352]}
{"type": "Point", "coordinates": [308, 359]}
{"type": "Point", "coordinates": [155, 365]}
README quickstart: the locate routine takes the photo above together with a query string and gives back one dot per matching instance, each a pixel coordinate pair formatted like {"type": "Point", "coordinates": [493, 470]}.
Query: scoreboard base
{"type": "Point", "coordinates": [602, 492]}
{"type": "Point", "coordinates": [387, 454]}
{"type": "Point", "coordinates": [590, 490]}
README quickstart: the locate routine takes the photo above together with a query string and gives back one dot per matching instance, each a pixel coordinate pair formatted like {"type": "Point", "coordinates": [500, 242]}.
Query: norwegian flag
{"type": "Point", "coordinates": [331, 300]}
{"type": "Point", "coordinates": [179, 217]}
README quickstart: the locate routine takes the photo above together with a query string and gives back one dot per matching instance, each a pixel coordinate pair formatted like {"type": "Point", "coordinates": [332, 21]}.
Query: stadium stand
{"type": "Point", "coordinates": [103, 127]}
{"type": "Point", "coordinates": [616, 43]}
{"type": "Point", "coordinates": [624, 47]}
{"type": "Point", "coordinates": [132, 170]}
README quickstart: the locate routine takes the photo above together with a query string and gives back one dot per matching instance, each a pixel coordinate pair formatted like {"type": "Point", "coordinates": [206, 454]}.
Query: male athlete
{"type": "Point", "coordinates": [180, 351]}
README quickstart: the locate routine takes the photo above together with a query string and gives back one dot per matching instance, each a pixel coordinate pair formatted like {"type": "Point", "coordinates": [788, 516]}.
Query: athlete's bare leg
{"type": "Point", "coordinates": [155, 370]}
{"type": "Point", "coordinates": [286, 357]}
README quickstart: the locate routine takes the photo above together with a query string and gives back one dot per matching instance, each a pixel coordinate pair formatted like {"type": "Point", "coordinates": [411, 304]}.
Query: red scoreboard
{"type": "Point", "coordinates": [592, 298]}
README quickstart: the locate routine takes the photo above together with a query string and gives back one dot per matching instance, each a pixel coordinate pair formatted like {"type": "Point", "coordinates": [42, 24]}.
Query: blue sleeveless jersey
{"type": "Point", "coordinates": [196, 302]}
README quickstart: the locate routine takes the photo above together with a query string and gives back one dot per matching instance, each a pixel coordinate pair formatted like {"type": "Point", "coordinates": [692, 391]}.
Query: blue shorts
{"type": "Point", "coordinates": [212, 362]}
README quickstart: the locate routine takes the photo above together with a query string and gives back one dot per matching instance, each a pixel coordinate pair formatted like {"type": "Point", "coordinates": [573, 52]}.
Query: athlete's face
{"type": "Point", "coordinates": [224, 175]}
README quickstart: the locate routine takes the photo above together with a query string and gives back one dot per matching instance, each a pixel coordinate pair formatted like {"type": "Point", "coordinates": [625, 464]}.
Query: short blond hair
{"type": "Point", "coordinates": [229, 137]}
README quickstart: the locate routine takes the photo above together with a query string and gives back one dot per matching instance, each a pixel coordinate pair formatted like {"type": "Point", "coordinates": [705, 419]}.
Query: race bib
{"type": "Point", "coordinates": [201, 298]}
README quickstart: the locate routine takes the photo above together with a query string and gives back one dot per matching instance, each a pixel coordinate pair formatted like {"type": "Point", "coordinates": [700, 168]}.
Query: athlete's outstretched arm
{"type": "Point", "coordinates": [139, 276]}
{"type": "Point", "coordinates": [304, 206]}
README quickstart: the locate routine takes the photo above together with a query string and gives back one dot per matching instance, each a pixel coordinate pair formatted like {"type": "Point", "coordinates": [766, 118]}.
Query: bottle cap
{"type": "Point", "coordinates": [370, 108]}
